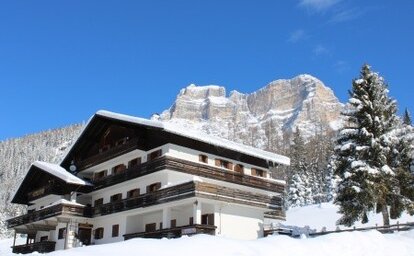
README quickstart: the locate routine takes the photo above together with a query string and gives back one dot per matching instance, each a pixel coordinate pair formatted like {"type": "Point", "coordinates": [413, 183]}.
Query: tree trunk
{"type": "Point", "coordinates": [385, 215]}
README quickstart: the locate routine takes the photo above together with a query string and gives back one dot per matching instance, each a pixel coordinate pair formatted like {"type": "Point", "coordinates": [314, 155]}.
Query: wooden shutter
{"type": "Point", "coordinates": [218, 162]}
{"type": "Point", "coordinates": [254, 173]}
{"type": "Point", "coordinates": [229, 165]}
{"type": "Point", "coordinates": [115, 230]}
{"type": "Point", "coordinates": [173, 223]}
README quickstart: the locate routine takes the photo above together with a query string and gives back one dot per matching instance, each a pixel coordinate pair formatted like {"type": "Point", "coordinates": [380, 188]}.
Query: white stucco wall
{"type": "Point", "coordinates": [238, 222]}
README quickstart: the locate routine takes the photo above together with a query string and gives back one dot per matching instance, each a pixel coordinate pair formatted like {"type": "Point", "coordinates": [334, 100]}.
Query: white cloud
{"type": "Point", "coordinates": [346, 15]}
{"type": "Point", "coordinates": [318, 5]}
{"type": "Point", "coordinates": [320, 50]}
{"type": "Point", "coordinates": [297, 35]}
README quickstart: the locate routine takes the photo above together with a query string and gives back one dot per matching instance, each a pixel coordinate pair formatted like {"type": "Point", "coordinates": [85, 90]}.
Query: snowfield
{"type": "Point", "coordinates": [315, 216]}
{"type": "Point", "coordinates": [355, 243]}
{"type": "Point", "coordinates": [325, 215]}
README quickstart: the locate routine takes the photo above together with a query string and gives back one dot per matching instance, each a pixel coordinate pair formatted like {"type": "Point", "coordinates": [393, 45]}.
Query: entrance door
{"type": "Point", "coordinates": [85, 235]}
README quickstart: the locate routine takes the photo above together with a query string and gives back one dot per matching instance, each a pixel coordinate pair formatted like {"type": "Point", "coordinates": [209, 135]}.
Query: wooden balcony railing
{"type": "Point", "coordinates": [48, 212]}
{"type": "Point", "coordinates": [181, 191]}
{"type": "Point", "coordinates": [175, 232]}
{"type": "Point", "coordinates": [193, 168]}
{"type": "Point", "coordinates": [193, 189]}
{"type": "Point", "coordinates": [109, 154]}
{"type": "Point", "coordinates": [41, 247]}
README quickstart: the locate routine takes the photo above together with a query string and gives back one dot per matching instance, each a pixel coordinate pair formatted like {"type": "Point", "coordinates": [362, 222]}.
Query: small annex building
{"type": "Point", "coordinates": [127, 177]}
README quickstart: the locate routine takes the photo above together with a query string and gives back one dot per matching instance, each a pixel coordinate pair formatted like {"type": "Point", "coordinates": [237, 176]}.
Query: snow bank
{"type": "Point", "coordinates": [326, 215]}
{"type": "Point", "coordinates": [355, 243]}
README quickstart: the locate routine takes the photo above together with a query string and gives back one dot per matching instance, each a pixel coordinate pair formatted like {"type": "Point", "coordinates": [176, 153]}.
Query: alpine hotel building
{"type": "Point", "coordinates": [127, 177]}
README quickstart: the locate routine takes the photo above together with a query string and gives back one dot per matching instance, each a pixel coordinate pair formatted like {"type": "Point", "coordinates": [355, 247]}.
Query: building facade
{"type": "Point", "coordinates": [127, 177]}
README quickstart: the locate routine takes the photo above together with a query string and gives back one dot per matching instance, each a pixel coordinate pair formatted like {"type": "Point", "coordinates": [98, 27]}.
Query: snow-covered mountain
{"type": "Point", "coordinates": [263, 118]}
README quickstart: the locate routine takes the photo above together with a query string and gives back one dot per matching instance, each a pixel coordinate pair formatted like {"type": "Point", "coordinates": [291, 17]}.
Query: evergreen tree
{"type": "Point", "coordinates": [407, 117]}
{"type": "Point", "coordinates": [365, 155]}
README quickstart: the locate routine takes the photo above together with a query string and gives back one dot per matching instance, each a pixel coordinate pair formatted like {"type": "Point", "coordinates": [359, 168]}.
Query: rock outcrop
{"type": "Point", "coordinates": [262, 118]}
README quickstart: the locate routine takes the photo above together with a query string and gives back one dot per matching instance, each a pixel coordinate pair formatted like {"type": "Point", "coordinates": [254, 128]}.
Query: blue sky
{"type": "Point", "coordinates": [60, 61]}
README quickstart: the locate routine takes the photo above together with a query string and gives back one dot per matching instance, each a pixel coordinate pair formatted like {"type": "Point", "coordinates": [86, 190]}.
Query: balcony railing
{"type": "Point", "coordinates": [193, 189]}
{"type": "Point", "coordinates": [189, 167]}
{"type": "Point", "coordinates": [174, 232]}
{"type": "Point", "coordinates": [181, 191]}
{"type": "Point", "coordinates": [41, 247]}
{"type": "Point", "coordinates": [48, 212]}
{"type": "Point", "coordinates": [109, 154]}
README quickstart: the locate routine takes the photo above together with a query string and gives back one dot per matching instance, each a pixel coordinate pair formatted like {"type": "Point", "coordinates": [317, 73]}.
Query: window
{"type": "Point", "coordinates": [99, 233]}
{"type": "Point", "coordinates": [191, 221]}
{"type": "Point", "coordinates": [224, 164]}
{"type": "Point", "coordinates": [133, 193]}
{"type": "Point", "coordinates": [100, 175]}
{"type": "Point", "coordinates": [153, 155]}
{"type": "Point", "coordinates": [153, 187]}
{"type": "Point", "coordinates": [116, 197]}
{"type": "Point", "coordinates": [115, 230]}
{"type": "Point", "coordinates": [239, 168]}
{"type": "Point", "coordinates": [61, 233]}
{"type": "Point", "coordinates": [173, 223]}
{"type": "Point", "coordinates": [134, 162]}
{"type": "Point", "coordinates": [258, 172]}
{"type": "Point", "coordinates": [118, 169]}
{"type": "Point", "coordinates": [43, 238]}
{"type": "Point", "coordinates": [98, 202]}
{"type": "Point", "coordinates": [203, 158]}
{"type": "Point", "coordinates": [150, 227]}
{"type": "Point", "coordinates": [207, 219]}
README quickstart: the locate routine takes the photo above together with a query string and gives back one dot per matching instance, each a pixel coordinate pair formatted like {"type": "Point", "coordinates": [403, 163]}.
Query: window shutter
{"type": "Point", "coordinates": [230, 166]}
{"type": "Point", "coordinates": [218, 162]}
{"type": "Point", "coordinates": [254, 173]}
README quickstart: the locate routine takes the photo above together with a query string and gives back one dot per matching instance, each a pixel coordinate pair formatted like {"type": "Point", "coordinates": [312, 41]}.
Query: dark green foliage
{"type": "Point", "coordinates": [372, 154]}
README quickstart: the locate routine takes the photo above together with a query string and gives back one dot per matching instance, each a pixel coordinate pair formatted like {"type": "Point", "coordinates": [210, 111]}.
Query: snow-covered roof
{"type": "Point", "coordinates": [200, 136]}
{"type": "Point", "coordinates": [60, 173]}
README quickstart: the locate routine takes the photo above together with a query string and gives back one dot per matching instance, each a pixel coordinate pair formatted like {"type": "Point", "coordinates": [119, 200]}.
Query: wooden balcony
{"type": "Point", "coordinates": [48, 212]}
{"type": "Point", "coordinates": [193, 189]}
{"type": "Point", "coordinates": [182, 191]}
{"type": "Point", "coordinates": [108, 154]}
{"type": "Point", "coordinates": [193, 168]}
{"type": "Point", "coordinates": [41, 247]}
{"type": "Point", "coordinates": [175, 232]}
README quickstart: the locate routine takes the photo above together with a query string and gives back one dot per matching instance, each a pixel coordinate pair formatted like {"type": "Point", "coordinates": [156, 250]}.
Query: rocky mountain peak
{"type": "Point", "coordinates": [262, 116]}
{"type": "Point", "coordinates": [201, 92]}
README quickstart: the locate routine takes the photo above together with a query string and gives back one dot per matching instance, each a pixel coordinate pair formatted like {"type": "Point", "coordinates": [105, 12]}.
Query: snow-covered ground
{"type": "Point", "coordinates": [347, 243]}
{"type": "Point", "coordinates": [325, 215]}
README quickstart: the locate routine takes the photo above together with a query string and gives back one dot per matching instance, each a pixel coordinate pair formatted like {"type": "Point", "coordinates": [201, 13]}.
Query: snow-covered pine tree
{"type": "Point", "coordinates": [299, 189]}
{"type": "Point", "coordinates": [402, 155]}
{"type": "Point", "coordinates": [364, 153]}
{"type": "Point", "coordinates": [407, 117]}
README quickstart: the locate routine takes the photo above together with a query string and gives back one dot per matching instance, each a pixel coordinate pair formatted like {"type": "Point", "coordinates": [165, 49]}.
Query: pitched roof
{"type": "Point", "coordinates": [197, 135]}
{"type": "Point", "coordinates": [61, 173]}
